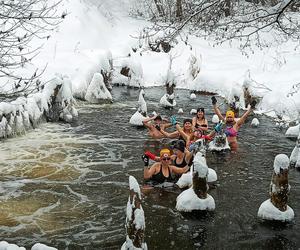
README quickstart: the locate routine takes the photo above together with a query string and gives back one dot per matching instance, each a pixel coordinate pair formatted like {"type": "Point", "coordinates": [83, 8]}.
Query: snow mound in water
{"type": "Point", "coordinates": [281, 161]}
{"type": "Point", "coordinates": [180, 111]}
{"type": "Point", "coordinates": [186, 180]}
{"type": "Point", "coordinates": [188, 201]}
{"type": "Point", "coordinates": [96, 91]}
{"type": "Point", "coordinates": [137, 119]}
{"type": "Point", "coordinates": [268, 211]}
{"type": "Point", "coordinates": [215, 119]}
{"type": "Point", "coordinates": [193, 96]}
{"type": "Point", "coordinates": [193, 111]}
{"type": "Point", "coordinates": [295, 157]}
{"type": "Point", "coordinates": [164, 101]}
{"type": "Point", "coordinates": [293, 132]}
{"type": "Point", "coordinates": [254, 122]}
{"type": "Point", "coordinates": [39, 246]}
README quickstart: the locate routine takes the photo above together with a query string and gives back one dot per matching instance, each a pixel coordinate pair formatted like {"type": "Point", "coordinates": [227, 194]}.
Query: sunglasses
{"type": "Point", "coordinates": [166, 158]}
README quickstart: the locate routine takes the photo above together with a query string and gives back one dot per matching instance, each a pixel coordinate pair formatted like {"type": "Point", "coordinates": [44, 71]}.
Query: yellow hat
{"type": "Point", "coordinates": [165, 151]}
{"type": "Point", "coordinates": [230, 113]}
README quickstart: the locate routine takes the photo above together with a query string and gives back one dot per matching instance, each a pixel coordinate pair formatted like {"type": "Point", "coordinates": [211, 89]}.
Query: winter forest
{"type": "Point", "coordinates": [149, 124]}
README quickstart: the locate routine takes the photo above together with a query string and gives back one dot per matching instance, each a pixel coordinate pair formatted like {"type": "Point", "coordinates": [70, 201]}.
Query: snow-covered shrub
{"type": "Point", "coordinates": [133, 70]}
{"type": "Point", "coordinates": [194, 67]}
{"type": "Point", "coordinates": [97, 92]}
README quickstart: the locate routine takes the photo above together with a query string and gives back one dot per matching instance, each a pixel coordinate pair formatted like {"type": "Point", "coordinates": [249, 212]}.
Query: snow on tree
{"type": "Point", "coordinates": [255, 122]}
{"type": "Point", "coordinates": [194, 67]}
{"type": "Point", "coordinates": [135, 219]}
{"type": "Point", "coordinates": [97, 92]}
{"type": "Point", "coordinates": [141, 113]}
{"type": "Point", "coordinates": [295, 155]}
{"type": "Point", "coordinates": [276, 207]}
{"type": "Point", "coordinates": [133, 70]}
{"type": "Point", "coordinates": [196, 197]}
{"type": "Point", "coordinates": [51, 103]}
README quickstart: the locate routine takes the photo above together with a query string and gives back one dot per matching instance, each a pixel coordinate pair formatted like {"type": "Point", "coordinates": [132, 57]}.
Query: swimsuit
{"type": "Point", "coordinates": [230, 131]}
{"type": "Point", "coordinates": [160, 178]}
{"type": "Point", "coordinates": [180, 165]}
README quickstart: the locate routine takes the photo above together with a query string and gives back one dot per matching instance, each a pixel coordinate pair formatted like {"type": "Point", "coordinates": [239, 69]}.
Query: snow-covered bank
{"type": "Point", "coordinates": [91, 30]}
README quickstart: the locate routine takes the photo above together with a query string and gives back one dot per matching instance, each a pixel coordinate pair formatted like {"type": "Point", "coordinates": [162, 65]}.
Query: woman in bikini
{"type": "Point", "coordinates": [163, 171]}
{"type": "Point", "coordinates": [231, 126]}
{"type": "Point", "coordinates": [199, 121]}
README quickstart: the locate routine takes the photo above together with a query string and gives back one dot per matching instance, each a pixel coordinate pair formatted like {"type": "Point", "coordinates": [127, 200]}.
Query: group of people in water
{"type": "Point", "coordinates": [169, 166]}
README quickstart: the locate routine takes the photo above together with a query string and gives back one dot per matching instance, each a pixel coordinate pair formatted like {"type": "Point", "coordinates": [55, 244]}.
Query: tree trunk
{"type": "Point", "coordinates": [280, 189]}
{"type": "Point", "coordinates": [200, 186]}
{"type": "Point", "coordinates": [227, 8]}
{"type": "Point", "coordinates": [159, 8]}
{"type": "Point", "coordinates": [179, 9]}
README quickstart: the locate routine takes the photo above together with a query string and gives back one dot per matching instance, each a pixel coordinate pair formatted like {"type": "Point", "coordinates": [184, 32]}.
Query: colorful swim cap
{"type": "Point", "coordinates": [230, 113]}
{"type": "Point", "coordinates": [165, 152]}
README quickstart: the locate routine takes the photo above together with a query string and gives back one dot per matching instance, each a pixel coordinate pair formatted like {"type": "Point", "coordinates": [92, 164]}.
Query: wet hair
{"type": "Point", "coordinates": [180, 145]}
{"type": "Point", "coordinates": [200, 109]}
{"type": "Point", "coordinates": [187, 120]}
{"type": "Point", "coordinates": [158, 118]}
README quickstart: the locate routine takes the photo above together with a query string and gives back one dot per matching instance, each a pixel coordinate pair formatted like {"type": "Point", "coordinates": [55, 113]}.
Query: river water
{"type": "Point", "coordinates": [67, 186]}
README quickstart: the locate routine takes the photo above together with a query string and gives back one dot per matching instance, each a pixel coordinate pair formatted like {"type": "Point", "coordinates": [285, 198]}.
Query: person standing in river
{"type": "Point", "coordinates": [231, 126]}
{"type": "Point", "coordinates": [199, 121]}
{"type": "Point", "coordinates": [155, 127]}
{"type": "Point", "coordinates": [163, 171]}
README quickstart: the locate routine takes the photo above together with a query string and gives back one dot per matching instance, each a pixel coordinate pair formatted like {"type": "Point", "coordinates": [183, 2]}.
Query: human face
{"type": "Point", "coordinates": [165, 158]}
{"type": "Point", "coordinates": [200, 114]}
{"type": "Point", "coordinates": [187, 125]}
{"type": "Point", "coordinates": [229, 119]}
{"type": "Point", "coordinates": [198, 133]}
{"type": "Point", "coordinates": [177, 151]}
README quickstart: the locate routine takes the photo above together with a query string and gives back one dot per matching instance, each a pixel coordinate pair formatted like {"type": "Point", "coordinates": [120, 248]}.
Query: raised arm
{"type": "Point", "coordinates": [181, 132]}
{"type": "Point", "coordinates": [216, 109]}
{"type": "Point", "coordinates": [150, 171]}
{"type": "Point", "coordinates": [246, 114]}
{"type": "Point", "coordinates": [172, 135]}
{"type": "Point", "coordinates": [177, 170]}
{"type": "Point", "coordinates": [147, 120]}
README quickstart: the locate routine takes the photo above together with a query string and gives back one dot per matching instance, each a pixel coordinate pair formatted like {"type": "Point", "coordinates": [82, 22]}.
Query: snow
{"type": "Point", "coordinates": [133, 185]}
{"type": "Point", "coordinates": [215, 119]}
{"type": "Point", "coordinates": [212, 146]}
{"type": "Point", "coordinates": [137, 119]}
{"type": "Point", "coordinates": [186, 180]}
{"type": "Point", "coordinates": [188, 201]}
{"type": "Point", "coordinates": [193, 96]}
{"type": "Point", "coordinates": [281, 161]}
{"type": "Point", "coordinates": [254, 122]}
{"type": "Point", "coordinates": [268, 211]}
{"type": "Point", "coordinates": [293, 131]}
{"type": "Point", "coordinates": [38, 246]}
{"type": "Point", "coordinates": [165, 103]}
{"type": "Point", "coordinates": [97, 91]}
{"type": "Point", "coordinates": [142, 105]}
{"type": "Point", "coordinates": [193, 111]}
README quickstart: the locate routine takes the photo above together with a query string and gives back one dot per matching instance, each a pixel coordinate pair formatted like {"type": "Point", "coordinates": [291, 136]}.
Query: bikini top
{"type": "Point", "coordinates": [180, 165]}
{"type": "Point", "coordinates": [160, 178]}
{"type": "Point", "coordinates": [230, 131]}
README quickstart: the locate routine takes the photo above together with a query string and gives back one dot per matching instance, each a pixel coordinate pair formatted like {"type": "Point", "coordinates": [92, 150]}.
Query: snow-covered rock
{"type": "Point", "coordinates": [193, 111]}
{"type": "Point", "coordinates": [137, 119]}
{"type": "Point", "coordinates": [293, 132]}
{"type": "Point", "coordinates": [180, 111]}
{"type": "Point", "coordinates": [281, 161]}
{"type": "Point", "coordinates": [164, 101]}
{"type": "Point", "coordinates": [142, 105]}
{"type": "Point", "coordinates": [39, 246]}
{"type": "Point", "coordinates": [193, 96]}
{"type": "Point", "coordinates": [268, 211]}
{"type": "Point", "coordinates": [219, 143]}
{"type": "Point", "coordinates": [295, 155]}
{"type": "Point", "coordinates": [215, 119]}
{"type": "Point", "coordinates": [188, 201]}
{"type": "Point", "coordinates": [254, 122]}
{"type": "Point", "coordinates": [6, 246]}
{"type": "Point", "coordinates": [97, 92]}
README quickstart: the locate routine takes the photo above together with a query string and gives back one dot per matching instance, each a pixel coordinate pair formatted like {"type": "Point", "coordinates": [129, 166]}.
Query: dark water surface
{"type": "Point", "coordinates": [67, 186]}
